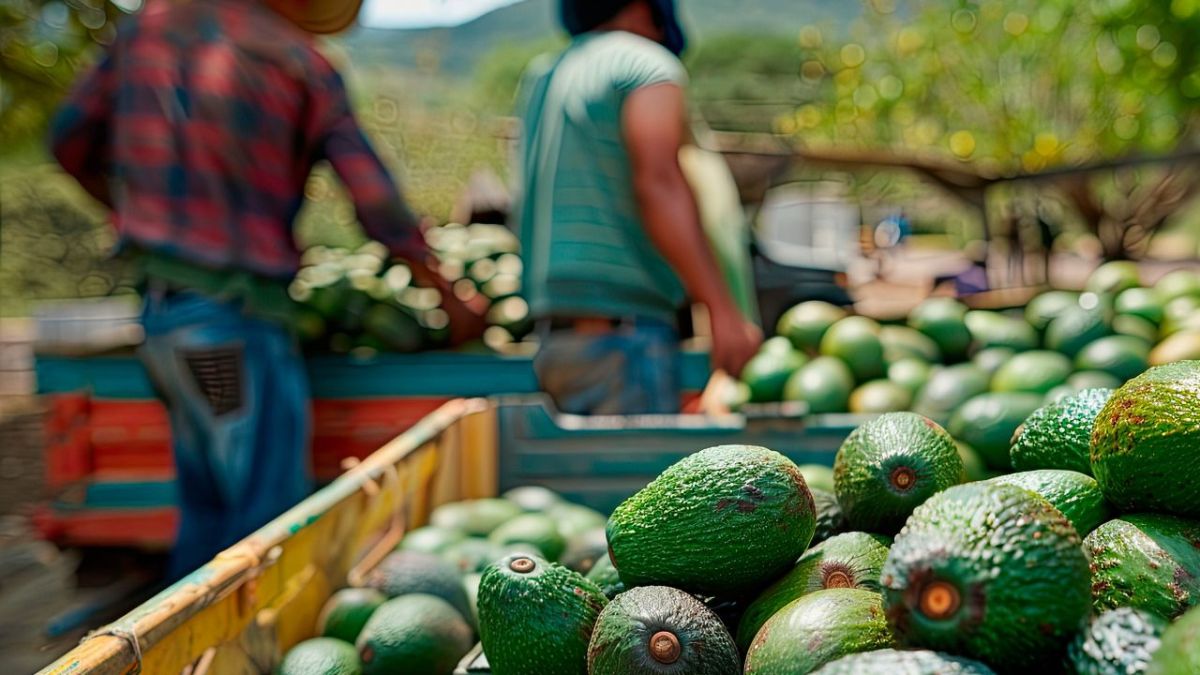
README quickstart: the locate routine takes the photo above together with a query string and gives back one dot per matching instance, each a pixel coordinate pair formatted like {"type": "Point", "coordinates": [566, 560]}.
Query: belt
{"type": "Point", "coordinates": [580, 324]}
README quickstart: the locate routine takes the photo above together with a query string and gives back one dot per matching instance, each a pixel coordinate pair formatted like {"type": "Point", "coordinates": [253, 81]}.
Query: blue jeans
{"type": "Point", "coordinates": [236, 392]}
{"type": "Point", "coordinates": [633, 370]}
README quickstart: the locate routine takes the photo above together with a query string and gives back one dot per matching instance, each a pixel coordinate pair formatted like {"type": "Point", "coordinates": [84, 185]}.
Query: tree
{"type": "Point", "coordinates": [1007, 87]}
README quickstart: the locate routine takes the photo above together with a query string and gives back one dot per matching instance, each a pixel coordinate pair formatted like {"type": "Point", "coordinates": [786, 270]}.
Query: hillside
{"type": "Point", "coordinates": [458, 50]}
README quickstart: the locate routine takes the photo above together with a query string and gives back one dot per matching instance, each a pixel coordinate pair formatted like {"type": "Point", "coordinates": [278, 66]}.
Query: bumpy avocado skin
{"type": "Point", "coordinates": [1059, 435]}
{"type": "Point", "coordinates": [897, 662]}
{"type": "Point", "coordinates": [1117, 642]}
{"type": "Point", "coordinates": [1147, 561]}
{"type": "Point", "coordinates": [816, 629]}
{"type": "Point", "coordinates": [831, 520]}
{"type": "Point", "coordinates": [1179, 652]}
{"type": "Point", "coordinates": [1076, 495]}
{"type": "Point", "coordinates": [721, 522]}
{"type": "Point", "coordinates": [889, 466]}
{"type": "Point", "coordinates": [537, 622]}
{"type": "Point", "coordinates": [988, 423]}
{"type": "Point", "coordinates": [1013, 562]}
{"type": "Point", "coordinates": [621, 640]}
{"type": "Point", "coordinates": [851, 560]}
{"type": "Point", "coordinates": [1146, 443]}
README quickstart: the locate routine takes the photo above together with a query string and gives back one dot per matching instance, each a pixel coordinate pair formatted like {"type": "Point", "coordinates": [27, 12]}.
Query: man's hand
{"type": "Point", "coordinates": [735, 341]}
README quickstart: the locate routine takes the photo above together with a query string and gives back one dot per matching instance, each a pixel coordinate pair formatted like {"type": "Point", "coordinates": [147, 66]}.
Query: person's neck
{"type": "Point", "coordinates": [628, 24]}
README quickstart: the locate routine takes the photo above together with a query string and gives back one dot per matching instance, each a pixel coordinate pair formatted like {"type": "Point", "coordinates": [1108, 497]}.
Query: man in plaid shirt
{"type": "Point", "coordinates": [199, 128]}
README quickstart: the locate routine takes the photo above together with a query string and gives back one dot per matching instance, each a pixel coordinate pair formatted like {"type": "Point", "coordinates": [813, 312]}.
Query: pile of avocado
{"type": "Point", "coordinates": [357, 301]}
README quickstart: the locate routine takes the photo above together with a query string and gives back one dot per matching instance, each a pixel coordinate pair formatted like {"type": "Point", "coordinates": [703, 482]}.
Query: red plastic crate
{"type": "Point", "coordinates": [68, 439]}
{"type": "Point", "coordinates": [130, 437]}
{"type": "Point", "coordinates": [357, 428]}
{"type": "Point", "coordinates": [142, 528]}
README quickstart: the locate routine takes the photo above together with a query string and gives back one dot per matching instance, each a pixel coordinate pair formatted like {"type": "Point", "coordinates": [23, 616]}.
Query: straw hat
{"type": "Point", "coordinates": [321, 17]}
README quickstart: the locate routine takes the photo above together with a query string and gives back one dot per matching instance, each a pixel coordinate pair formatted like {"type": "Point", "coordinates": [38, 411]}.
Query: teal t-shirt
{"type": "Point", "coordinates": [586, 250]}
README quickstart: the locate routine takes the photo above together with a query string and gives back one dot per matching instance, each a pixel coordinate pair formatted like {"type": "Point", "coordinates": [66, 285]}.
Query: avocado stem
{"type": "Point", "coordinates": [522, 565]}
{"type": "Point", "coordinates": [664, 647]}
{"type": "Point", "coordinates": [903, 478]}
{"type": "Point", "coordinates": [838, 579]}
{"type": "Point", "coordinates": [940, 600]}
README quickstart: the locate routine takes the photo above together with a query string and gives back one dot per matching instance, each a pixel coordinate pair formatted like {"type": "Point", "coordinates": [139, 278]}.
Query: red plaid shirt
{"type": "Point", "coordinates": [200, 127]}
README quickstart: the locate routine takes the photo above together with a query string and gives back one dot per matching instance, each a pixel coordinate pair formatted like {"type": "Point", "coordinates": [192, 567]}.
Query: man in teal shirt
{"type": "Point", "coordinates": [609, 227]}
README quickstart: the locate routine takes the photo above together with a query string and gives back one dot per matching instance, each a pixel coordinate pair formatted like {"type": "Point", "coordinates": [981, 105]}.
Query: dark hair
{"type": "Point", "coordinates": [581, 16]}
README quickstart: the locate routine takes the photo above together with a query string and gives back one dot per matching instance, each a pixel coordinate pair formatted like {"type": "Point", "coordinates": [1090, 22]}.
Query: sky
{"type": "Point", "coordinates": [421, 13]}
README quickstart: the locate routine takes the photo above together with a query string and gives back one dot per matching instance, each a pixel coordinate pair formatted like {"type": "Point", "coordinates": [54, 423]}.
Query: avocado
{"type": "Point", "coordinates": [817, 476]}
{"type": "Point", "coordinates": [1076, 495]}
{"type": "Point", "coordinates": [347, 611]}
{"type": "Point", "coordinates": [536, 617]}
{"type": "Point", "coordinates": [988, 422]}
{"type": "Point", "coordinates": [992, 572]}
{"type": "Point", "coordinates": [1058, 436]}
{"type": "Point", "coordinates": [1075, 329]}
{"type": "Point", "coordinates": [902, 342]}
{"type": "Point", "coordinates": [1179, 650]}
{"type": "Point", "coordinates": [1093, 379]}
{"type": "Point", "coordinates": [1182, 346]}
{"type": "Point", "coordinates": [532, 498]}
{"type": "Point", "coordinates": [1044, 308]}
{"type": "Point", "coordinates": [974, 467]}
{"type": "Point", "coordinates": [1143, 303]}
{"type": "Point", "coordinates": [897, 662]}
{"type": "Point", "coordinates": [655, 629]}
{"type": "Point", "coordinates": [911, 374]}
{"type": "Point", "coordinates": [430, 539]}
{"type": "Point", "coordinates": [851, 560]}
{"type": "Point", "coordinates": [992, 359]}
{"type": "Point", "coordinates": [606, 577]}
{"type": "Point", "coordinates": [1117, 642]}
{"type": "Point", "coordinates": [1113, 278]}
{"type": "Point", "coordinates": [415, 633]}
{"type": "Point", "coordinates": [472, 554]}
{"type": "Point", "coordinates": [1146, 442]}
{"type": "Point", "coordinates": [889, 466]}
{"type": "Point", "coordinates": [1147, 561]}
{"type": "Point", "coordinates": [1121, 356]}
{"type": "Point", "coordinates": [1059, 394]}
{"type": "Point", "coordinates": [879, 396]}
{"type": "Point", "coordinates": [575, 519]}
{"type": "Point", "coordinates": [584, 549]}
{"type": "Point", "coordinates": [824, 384]}
{"type": "Point", "coordinates": [818, 628]}
{"type": "Point", "coordinates": [944, 321]}
{"type": "Point", "coordinates": [471, 586]}
{"type": "Point", "coordinates": [1179, 315]}
{"type": "Point", "coordinates": [855, 340]}
{"type": "Point", "coordinates": [1135, 326]}
{"type": "Point", "coordinates": [1032, 373]}
{"type": "Point", "coordinates": [769, 370]}
{"type": "Point", "coordinates": [1178, 284]}
{"type": "Point", "coordinates": [831, 519]}
{"type": "Point", "coordinates": [948, 388]}
{"type": "Point", "coordinates": [534, 529]}
{"type": "Point", "coordinates": [408, 572]}
{"type": "Point", "coordinates": [724, 520]}
{"type": "Point", "coordinates": [993, 329]}
{"type": "Point", "coordinates": [321, 656]}
{"type": "Point", "coordinates": [805, 324]}
{"type": "Point", "coordinates": [474, 518]}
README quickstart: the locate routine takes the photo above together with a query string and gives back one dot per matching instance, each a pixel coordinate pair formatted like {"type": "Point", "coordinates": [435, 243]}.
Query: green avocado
{"type": "Point", "coordinates": [415, 633]}
{"type": "Point", "coordinates": [850, 560]}
{"type": "Point", "coordinates": [575, 519]}
{"type": "Point", "coordinates": [993, 329]}
{"type": "Point", "coordinates": [1044, 308]}
{"type": "Point", "coordinates": [1179, 650]}
{"type": "Point", "coordinates": [889, 466]}
{"type": "Point", "coordinates": [474, 518]}
{"type": "Point", "coordinates": [911, 374]}
{"type": "Point", "coordinates": [1147, 561]}
{"type": "Point", "coordinates": [472, 554]}
{"type": "Point", "coordinates": [536, 617]}
{"type": "Point", "coordinates": [902, 342]}
{"type": "Point", "coordinates": [1075, 329]}
{"type": "Point", "coordinates": [988, 422]}
{"type": "Point", "coordinates": [471, 586]}
{"type": "Point", "coordinates": [992, 572]}
{"type": "Point", "coordinates": [1075, 494]}
{"type": "Point", "coordinates": [1182, 346]}
{"type": "Point", "coordinates": [605, 576]}
{"type": "Point", "coordinates": [724, 520]}
{"type": "Point", "coordinates": [1121, 356]}
{"type": "Point", "coordinates": [1135, 326]}
{"type": "Point", "coordinates": [408, 572]}
{"type": "Point", "coordinates": [944, 321]}
{"type": "Point", "coordinates": [769, 370]}
{"type": "Point", "coordinates": [991, 360]}
{"type": "Point", "coordinates": [898, 662]}
{"type": "Point", "coordinates": [1093, 379]}
{"type": "Point", "coordinates": [855, 340]}
{"type": "Point", "coordinates": [655, 629]}
{"type": "Point", "coordinates": [347, 611]}
{"type": "Point", "coordinates": [1032, 373]}
{"type": "Point", "coordinates": [805, 324]}
{"type": "Point", "coordinates": [584, 549]}
{"type": "Point", "coordinates": [818, 628]}
{"type": "Point", "coordinates": [533, 498]}
{"type": "Point", "coordinates": [1181, 314]}
{"type": "Point", "coordinates": [1140, 302]}
{"type": "Point", "coordinates": [1058, 436]}
{"type": "Point", "coordinates": [430, 539]}
{"type": "Point", "coordinates": [1146, 442]}
{"type": "Point", "coordinates": [1113, 278]}
{"type": "Point", "coordinates": [974, 467]}
{"type": "Point", "coordinates": [831, 519]}
{"type": "Point", "coordinates": [1178, 284]}
{"type": "Point", "coordinates": [1117, 642]}
{"type": "Point", "coordinates": [948, 388]}
{"type": "Point", "coordinates": [817, 476]}
{"type": "Point", "coordinates": [824, 384]}
{"type": "Point", "coordinates": [321, 656]}
{"type": "Point", "coordinates": [879, 396]}
{"type": "Point", "coordinates": [534, 529]}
